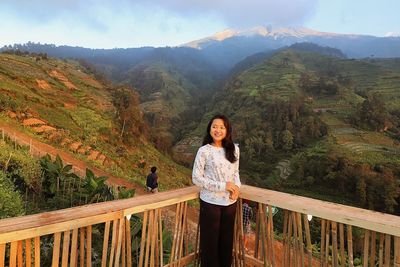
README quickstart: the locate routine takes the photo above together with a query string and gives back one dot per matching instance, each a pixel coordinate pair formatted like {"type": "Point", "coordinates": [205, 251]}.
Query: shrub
{"type": "Point", "coordinates": [11, 203]}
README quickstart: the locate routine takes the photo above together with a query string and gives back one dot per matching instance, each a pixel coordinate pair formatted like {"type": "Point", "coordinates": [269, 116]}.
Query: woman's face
{"type": "Point", "coordinates": [218, 130]}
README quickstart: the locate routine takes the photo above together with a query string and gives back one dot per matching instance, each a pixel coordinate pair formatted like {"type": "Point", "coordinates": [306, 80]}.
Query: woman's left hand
{"type": "Point", "coordinates": [235, 193]}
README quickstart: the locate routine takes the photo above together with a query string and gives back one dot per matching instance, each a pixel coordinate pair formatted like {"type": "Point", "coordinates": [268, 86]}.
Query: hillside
{"type": "Point", "coordinates": [298, 120]}
{"type": "Point", "coordinates": [61, 103]}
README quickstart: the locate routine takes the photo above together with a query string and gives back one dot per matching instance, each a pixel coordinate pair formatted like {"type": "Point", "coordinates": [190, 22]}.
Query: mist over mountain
{"type": "Point", "coordinates": [263, 38]}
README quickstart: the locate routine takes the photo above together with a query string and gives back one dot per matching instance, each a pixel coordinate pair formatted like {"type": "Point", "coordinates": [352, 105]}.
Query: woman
{"type": "Point", "coordinates": [216, 171]}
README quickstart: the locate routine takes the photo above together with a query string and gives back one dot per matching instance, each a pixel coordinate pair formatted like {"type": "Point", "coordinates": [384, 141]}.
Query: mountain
{"type": "Point", "coordinates": [236, 45]}
{"type": "Point", "coordinates": [62, 103]}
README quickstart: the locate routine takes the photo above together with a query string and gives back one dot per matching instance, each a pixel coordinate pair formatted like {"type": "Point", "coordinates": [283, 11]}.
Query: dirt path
{"type": "Point", "coordinates": [67, 157]}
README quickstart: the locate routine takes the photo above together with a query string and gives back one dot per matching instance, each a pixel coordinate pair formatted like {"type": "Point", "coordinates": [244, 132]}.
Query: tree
{"type": "Point", "coordinates": [287, 140]}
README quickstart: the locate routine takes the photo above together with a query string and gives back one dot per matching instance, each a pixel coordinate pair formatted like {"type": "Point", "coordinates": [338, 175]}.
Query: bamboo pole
{"type": "Point", "coordinates": [143, 239]}
{"type": "Point", "coordinates": [350, 245]}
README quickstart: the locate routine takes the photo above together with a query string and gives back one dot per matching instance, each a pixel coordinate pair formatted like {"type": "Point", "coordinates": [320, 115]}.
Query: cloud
{"type": "Point", "coordinates": [238, 13]}
{"type": "Point", "coordinates": [234, 13]}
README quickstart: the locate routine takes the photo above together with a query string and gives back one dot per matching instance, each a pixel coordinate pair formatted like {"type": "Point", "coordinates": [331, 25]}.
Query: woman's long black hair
{"type": "Point", "coordinates": [227, 142]}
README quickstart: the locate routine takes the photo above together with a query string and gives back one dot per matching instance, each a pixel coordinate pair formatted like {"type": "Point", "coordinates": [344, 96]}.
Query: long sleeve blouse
{"type": "Point", "coordinates": [211, 171]}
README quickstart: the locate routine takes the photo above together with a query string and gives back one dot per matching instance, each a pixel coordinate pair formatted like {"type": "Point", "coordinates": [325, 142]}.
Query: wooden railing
{"type": "Point", "coordinates": [101, 234]}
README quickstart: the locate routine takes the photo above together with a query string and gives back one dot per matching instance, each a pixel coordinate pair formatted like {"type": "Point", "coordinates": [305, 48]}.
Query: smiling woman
{"type": "Point", "coordinates": [216, 171]}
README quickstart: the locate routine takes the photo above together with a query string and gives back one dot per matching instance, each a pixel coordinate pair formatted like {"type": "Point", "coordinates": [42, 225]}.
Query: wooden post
{"type": "Point", "coordinates": [350, 245]}
{"type": "Point", "coordinates": [396, 251]}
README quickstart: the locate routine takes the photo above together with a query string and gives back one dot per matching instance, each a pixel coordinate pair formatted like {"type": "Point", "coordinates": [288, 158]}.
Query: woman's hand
{"type": "Point", "coordinates": [233, 190]}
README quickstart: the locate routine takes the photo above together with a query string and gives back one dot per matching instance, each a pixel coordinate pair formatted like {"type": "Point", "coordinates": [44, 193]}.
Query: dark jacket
{"type": "Point", "coordinates": [151, 180]}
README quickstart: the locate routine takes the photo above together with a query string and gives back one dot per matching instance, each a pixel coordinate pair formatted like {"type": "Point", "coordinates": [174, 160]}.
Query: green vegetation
{"type": "Point", "coordinates": [86, 116]}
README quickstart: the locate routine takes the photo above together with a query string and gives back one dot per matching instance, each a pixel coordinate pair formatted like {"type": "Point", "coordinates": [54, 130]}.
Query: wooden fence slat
{"type": "Point", "coordinates": [65, 252]}
{"type": "Point", "coordinates": [381, 243]}
{"type": "Point", "coordinates": [121, 228]}
{"type": "Point", "coordinates": [327, 242]}
{"type": "Point", "coordinates": [396, 251]}
{"type": "Point", "coordinates": [366, 247]}
{"type": "Point", "coordinates": [56, 249]}
{"type": "Point", "coordinates": [388, 239]}
{"type": "Point", "coordinates": [308, 240]}
{"type": "Point", "coordinates": [2, 254]}
{"type": "Point", "coordinates": [114, 240]}
{"type": "Point", "coordinates": [74, 248]}
{"type": "Point", "coordinates": [143, 239]}
{"type": "Point", "coordinates": [334, 245]}
{"type": "Point", "coordinates": [20, 253]}
{"type": "Point", "coordinates": [161, 240]}
{"type": "Point", "coordinates": [89, 245]}
{"type": "Point", "coordinates": [128, 242]}
{"type": "Point", "coordinates": [13, 254]}
{"type": "Point", "coordinates": [37, 251]}
{"type": "Point", "coordinates": [105, 244]}
{"type": "Point", "coordinates": [149, 234]}
{"type": "Point", "coordinates": [28, 252]}
{"type": "Point", "coordinates": [350, 245]}
{"type": "Point", "coordinates": [341, 237]}
{"type": "Point", "coordinates": [373, 249]}
{"type": "Point", "coordinates": [82, 247]}
{"type": "Point", "coordinates": [323, 229]}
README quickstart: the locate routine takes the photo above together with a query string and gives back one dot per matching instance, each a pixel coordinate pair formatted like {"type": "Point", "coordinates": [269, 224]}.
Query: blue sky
{"type": "Point", "coordinates": [135, 23]}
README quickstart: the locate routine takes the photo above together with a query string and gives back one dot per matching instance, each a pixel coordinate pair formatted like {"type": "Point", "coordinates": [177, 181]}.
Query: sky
{"type": "Point", "coordinates": [137, 23]}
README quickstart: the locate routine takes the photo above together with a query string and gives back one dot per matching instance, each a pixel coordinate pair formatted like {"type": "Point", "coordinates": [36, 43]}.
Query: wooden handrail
{"type": "Point", "coordinates": [367, 219]}
{"type": "Point", "coordinates": [61, 220]}
{"type": "Point", "coordinates": [24, 227]}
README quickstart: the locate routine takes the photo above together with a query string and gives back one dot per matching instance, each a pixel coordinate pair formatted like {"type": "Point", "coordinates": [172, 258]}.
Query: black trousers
{"type": "Point", "coordinates": [216, 234]}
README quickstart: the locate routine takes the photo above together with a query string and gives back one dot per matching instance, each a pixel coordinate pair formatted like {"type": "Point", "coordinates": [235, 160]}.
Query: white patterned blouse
{"type": "Point", "coordinates": [211, 171]}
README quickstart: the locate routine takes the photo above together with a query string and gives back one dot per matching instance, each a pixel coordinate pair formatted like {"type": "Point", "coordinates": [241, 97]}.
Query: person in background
{"type": "Point", "coordinates": [216, 172]}
{"type": "Point", "coordinates": [247, 215]}
{"type": "Point", "coordinates": [152, 181]}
